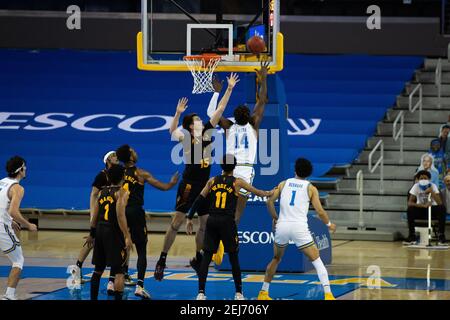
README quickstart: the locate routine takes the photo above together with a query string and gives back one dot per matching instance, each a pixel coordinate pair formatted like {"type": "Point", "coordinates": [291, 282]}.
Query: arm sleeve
{"type": "Point", "coordinates": [197, 204]}
{"type": "Point", "coordinates": [213, 104]}
{"type": "Point", "coordinates": [100, 180]}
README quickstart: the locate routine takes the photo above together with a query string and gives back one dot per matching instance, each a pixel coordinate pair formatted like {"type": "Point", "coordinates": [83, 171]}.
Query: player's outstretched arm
{"type": "Point", "coordinates": [261, 193]}
{"type": "Point", "coordinates": [122, 200]}
{"type": "Point", "coordinates": [223, 122]}
{"type": "Point", "coordinates": [175, 133]}
{"type": "Point", "coordinates": [16, 193]}
{"type": "Point", "coordinates": [158, 184]}
{"type": "Point", "coordinates": [233, 79]}
{"type": "Point", "coordinates": [261, 98]}
{"type": "Point", "coordinates": [271, 201]}
{"type": "Point", "coordinates": [201, 198]}
{"type": "Point", "coordinates": [315, 201]}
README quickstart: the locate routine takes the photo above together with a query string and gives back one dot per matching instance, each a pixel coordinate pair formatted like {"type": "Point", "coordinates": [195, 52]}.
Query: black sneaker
{"type": "Point", "coordinates": [159, 271]}
{"type": "Point", "coordinates": [129, 282]}
{"type": "Point", "coordinates": [442, 241]}
{"type": "Point", "coordinates": [410, 240]}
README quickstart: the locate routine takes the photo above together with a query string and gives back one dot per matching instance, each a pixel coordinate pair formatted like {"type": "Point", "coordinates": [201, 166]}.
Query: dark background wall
{"type": "Point", "coordinates": [303, 34]}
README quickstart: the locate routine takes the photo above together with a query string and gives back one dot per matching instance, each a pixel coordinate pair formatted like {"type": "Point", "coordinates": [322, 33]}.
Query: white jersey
{"type": "Point", "coordinates": [5, 185]}
{"type": "Point", "coordinates": [294, 201]}
{"type": "Point", "coordinates": [242, 142]}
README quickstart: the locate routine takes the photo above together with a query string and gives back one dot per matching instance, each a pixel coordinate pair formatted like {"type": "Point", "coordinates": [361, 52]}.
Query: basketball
{"type": "Point", "coordinates": [256, 45]}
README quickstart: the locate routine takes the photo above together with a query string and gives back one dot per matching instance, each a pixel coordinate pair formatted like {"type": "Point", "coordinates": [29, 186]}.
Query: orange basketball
{"type": "Point", "coordinates": [256, 45]}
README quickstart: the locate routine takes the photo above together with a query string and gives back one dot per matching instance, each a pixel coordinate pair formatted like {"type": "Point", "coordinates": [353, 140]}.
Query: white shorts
{"type": "Point", "coordinates": [10, 245]}
{"type": "Point", "coordinates": [298, 233]}
{"type": "Point", "coordinates": [246, 173]}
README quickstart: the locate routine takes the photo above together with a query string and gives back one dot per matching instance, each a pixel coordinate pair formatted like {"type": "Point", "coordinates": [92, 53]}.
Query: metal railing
{"type": "Point", "coordinates": [438, 81]}
{"type": "Point", "coordinates": [360, 189]}
{"type": "Point", "coordinates": [396, 134]}
{"type": "Point", "coordinates": [379, 163]}
{"type": "Point", "coordinates": [419, 105]}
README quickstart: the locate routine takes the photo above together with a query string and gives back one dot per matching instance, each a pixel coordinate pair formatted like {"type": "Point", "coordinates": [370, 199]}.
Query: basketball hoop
{"type": "Point", "coordinates": [202, 69]}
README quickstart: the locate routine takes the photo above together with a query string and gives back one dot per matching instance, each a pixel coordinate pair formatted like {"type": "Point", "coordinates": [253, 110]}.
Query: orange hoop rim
{"type": "Point", "coordinates": [205, 57]}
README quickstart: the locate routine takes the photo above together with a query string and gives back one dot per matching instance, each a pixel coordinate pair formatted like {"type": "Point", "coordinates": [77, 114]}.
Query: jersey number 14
{"type": "Point", "coordinates": [243, 142]}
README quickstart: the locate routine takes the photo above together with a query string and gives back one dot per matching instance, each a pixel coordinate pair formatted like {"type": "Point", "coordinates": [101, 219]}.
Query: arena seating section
{"type": "Point", "coordinates": [349, 94]}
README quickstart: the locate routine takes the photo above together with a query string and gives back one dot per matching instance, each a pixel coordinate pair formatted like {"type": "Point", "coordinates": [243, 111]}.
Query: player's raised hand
{"type": "Point", "coordinates": [217, 84]}
{"type": "Point", "coordinates": [182, 105]}
{"type": "Point", "coordinates": [233, 79]}
{"type": "Point", "coordinates": [261, 74]}
{"type": "Point", "coordinates": [189, 226]}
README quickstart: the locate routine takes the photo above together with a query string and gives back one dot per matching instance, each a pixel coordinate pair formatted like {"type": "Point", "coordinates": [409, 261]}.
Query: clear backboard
{"type": "Point", "coordinates": [174, 29]}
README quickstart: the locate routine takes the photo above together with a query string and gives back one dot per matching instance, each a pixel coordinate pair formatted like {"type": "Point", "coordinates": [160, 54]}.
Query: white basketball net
{"type": "Point", "coordinates": [202, 71]}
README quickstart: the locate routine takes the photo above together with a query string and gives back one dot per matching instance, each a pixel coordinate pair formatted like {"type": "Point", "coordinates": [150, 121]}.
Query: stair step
{"type": "Point", "coordinates": [405, 172]}
{"type": "Point", "coordinates": [429, 89]}
{"type": "Point", "coordinates": [370, 192]}
{"type": "Point", "coordinates": [412, 143]}
{"type": "Point", "coordinates": [397, 185]}
{"type": "Point", "coordinates": [410, 129]}
{"type": "Point", "coordinates": [430, 77]}
{"type": "Point", "coordinates": [392, 157]}
{"type": "Point", "coordinates": [429, 116]}
{"type": "Point", "coordinates": [428, 102]}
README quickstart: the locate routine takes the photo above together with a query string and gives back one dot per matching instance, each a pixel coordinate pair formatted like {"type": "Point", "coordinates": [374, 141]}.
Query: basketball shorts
{"type": "Point", "coordinates": [109, 247]}
{"type": "Point", "coordinates": [10, 245]}
{"type": "Point", "coordinates": [246, 173]}
{"type": "Point", "coordinates": [221, 228]}
{"type": "Point", "coordinates": [186, 195]}
{"type": "Point", "coordinates": [298, 233]}
{"type": "Point", "coordinates": [137, 224]}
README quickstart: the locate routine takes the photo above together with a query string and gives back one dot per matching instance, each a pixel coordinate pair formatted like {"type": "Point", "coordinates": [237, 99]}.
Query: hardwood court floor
{"type": "Point", "coordinates": [405, 273]}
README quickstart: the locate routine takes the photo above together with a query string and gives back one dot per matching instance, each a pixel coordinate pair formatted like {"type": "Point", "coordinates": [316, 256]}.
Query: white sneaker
{"type": "Point", "coordinates": [9, 297]}
{"type": "Point", "coordinates": [239, 296]}
{"type": "Point", "coordinates": [140, 292]}
{"type": "Point", "coordinates": [75, 271]}
{"type": "Point", "coordinates": [110, 288]}
{"type": "Point", "coordinates": [201, 296]}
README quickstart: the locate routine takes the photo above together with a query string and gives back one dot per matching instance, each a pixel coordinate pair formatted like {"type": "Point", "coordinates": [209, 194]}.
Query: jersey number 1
{"type": "Point", "coordinates": [221, 196]}
{"type": "Point", "coordinates": [106, 211]}
{"type": "Point", "coordinates": [293, 198]}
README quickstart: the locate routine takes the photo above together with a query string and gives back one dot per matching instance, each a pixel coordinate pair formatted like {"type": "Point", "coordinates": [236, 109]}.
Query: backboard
{"type": "Point", "coordinates": [173, 29]}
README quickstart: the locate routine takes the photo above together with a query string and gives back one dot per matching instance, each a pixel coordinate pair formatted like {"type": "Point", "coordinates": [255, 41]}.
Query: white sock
{"type": "Point", "coordinates": [10, 291]}
{"type": "Point", "coordinates": [322, 274]}
{"type": "Point", "coordinates": [265, 286]}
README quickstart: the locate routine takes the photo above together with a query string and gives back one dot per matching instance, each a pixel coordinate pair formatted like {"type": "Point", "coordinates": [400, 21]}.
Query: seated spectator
{"type": "Point", "coordinates": [445, 143]}
{"type": "Point", "coordinates": [439, 160]}
{"type": "Point", "coordinates": [445, 194]}
{"type": "Point", "coordinates": [427, 164]}
{"type": "Point", "coordinates": [423, 195]}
